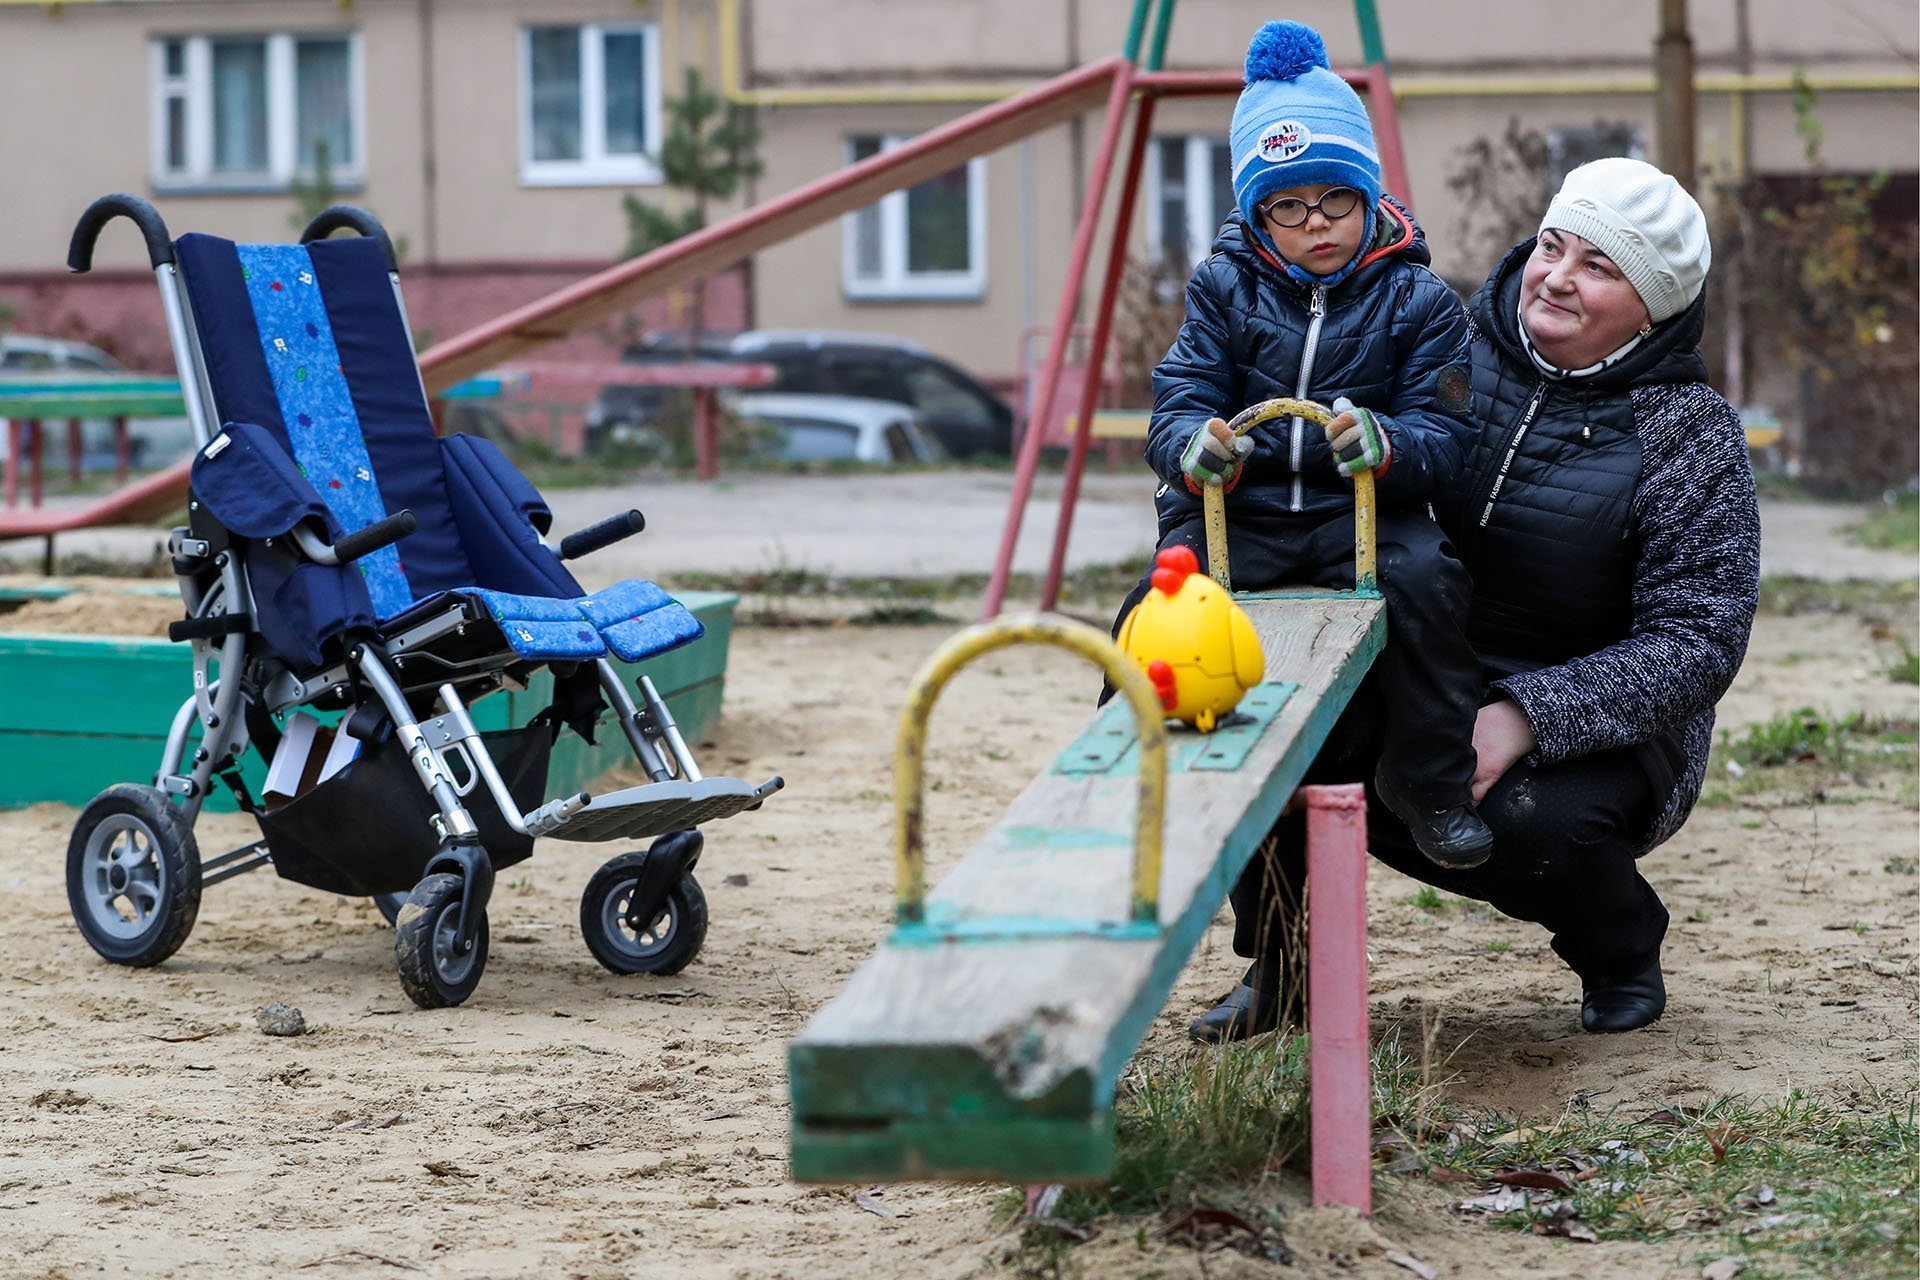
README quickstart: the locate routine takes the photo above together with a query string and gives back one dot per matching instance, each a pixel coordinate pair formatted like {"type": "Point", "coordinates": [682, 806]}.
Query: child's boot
{"type": "Point", "coordinates": [1451, 836]}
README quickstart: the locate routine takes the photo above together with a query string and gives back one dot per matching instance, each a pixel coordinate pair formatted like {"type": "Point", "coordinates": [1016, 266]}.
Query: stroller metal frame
{"type": "Point", "coordinates": [149, 850]}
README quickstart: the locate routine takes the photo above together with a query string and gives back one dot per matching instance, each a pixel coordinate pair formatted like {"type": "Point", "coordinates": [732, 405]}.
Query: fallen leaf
{"type": "Point", "coordinates": [182, 1039]}
{"type": "Point", "coordinates": [1724, 1269]}
{"type": "Point", "coordinates": [1534, 1177]}
{"type": "Point", "coordinates": [188, 1170]}
{"type": "Point", "coordinates": [1665, 1115]}
{"type": "Point", "coordinates": [1439, 1174]}
{"type": "Point", "coordinates": [872, 1205]}
{"type": "Point", "coordinates": [737, 881]}
{"type": "Point", "coordinates": [1505, 1200]}
{"type": "Point", "coordinates": [1412, 1264]}
{"type": "Point", "coordinates": [721, 1115]}
{"type": "Point", "coordinates": [1724, 1137]}
{"type": "Point", "coordinates": [1767, 1223]}
{"type": "Point", "coordinates": [447, 1169]}
{"type": "Point", "coordinates": [1516, 1135]}
{"type": "Point", "coordinates": [1561, 1219]}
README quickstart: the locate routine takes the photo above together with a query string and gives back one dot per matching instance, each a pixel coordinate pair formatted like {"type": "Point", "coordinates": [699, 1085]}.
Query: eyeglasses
{"type": "Point", "coordinates": [1289, 212]}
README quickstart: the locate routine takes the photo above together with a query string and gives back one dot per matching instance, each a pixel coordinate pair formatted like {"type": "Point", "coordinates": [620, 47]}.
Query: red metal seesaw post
{"type": "Point", "coordinates": [1338, 1069]}
{"type": "Point", "coordinates": [1097, 353]}
{"type": "Point", "coordinates": [1117, 97]}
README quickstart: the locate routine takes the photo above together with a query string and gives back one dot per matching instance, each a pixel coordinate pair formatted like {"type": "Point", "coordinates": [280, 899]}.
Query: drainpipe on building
{"type": "Point", "coordinates": [1673, 102]}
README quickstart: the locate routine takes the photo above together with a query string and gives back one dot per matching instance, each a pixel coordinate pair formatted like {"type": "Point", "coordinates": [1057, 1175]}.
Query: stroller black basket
{"type": "Point", "coordinates": [368, 829]}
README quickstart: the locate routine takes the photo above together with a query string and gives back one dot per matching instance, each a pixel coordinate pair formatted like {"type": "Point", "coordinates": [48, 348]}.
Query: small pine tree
{"type": "Point", "coordinates": [709, 150]}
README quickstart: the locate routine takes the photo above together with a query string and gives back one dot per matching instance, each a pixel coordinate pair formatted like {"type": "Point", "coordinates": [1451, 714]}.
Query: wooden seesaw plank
{"type": "Point", "coordinates": [987, 1042]}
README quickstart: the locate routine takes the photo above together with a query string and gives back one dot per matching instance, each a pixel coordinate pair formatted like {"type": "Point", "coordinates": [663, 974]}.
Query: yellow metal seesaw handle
{"type": "Point", "coordinates": [909, 753]}
{"type": "Point", "coordinates": [1214, 498]}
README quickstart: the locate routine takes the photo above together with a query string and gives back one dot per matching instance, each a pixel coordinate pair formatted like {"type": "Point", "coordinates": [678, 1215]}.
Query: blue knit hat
{"type": "Point", "coordinates": [1297, 124]}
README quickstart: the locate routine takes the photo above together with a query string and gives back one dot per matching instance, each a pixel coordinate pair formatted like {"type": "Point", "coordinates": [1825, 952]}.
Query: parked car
{"type": "Point", "coordinates": [815, 428]}
{"type": "Point", "coordinates": [151, 442]}
{"type": "Point", "coordinates": [963, 415]}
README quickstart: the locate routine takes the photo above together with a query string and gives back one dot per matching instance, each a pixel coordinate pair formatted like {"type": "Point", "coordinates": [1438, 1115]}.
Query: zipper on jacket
{"type": "Point", "coordinates": [1317, 311]}
{"type": "Point", "coordinates": [1513, 447]}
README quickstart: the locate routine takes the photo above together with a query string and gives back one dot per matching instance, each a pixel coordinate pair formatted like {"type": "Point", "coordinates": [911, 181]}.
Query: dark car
{"type": "Point", "coordinates": [964, 416]}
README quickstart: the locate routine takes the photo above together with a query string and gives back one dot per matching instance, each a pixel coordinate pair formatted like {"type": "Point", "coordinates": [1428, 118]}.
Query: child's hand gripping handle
{"type": "Point", "coordinates": [1213, 496]}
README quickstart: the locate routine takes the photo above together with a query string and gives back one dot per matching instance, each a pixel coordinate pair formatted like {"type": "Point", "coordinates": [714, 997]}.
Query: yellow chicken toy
{"type": "Point", "coordinates": [1196, 645]}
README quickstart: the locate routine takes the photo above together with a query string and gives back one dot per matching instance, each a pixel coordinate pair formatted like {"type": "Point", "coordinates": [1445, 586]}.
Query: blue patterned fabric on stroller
{"type": "Point", "coordinates": [341, 557]}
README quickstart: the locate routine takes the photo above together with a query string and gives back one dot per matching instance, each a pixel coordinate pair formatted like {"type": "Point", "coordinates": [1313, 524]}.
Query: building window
{"type": "Point", "coordinates": [1570, 146]}
{"type": "Point", "coordinates": [255, 112]}
{"type": "Point", "coordinates": [1189, 194]}
{"type": "Point", "coordinates": [590, 104]}
{"type": "Point", "coordinates": [929, 241]}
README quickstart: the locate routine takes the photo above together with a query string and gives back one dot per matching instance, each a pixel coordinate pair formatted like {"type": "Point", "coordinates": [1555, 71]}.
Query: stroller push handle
{"type": "Point", "coordinates": [105, 210]}
{"type": "Point", "coordinates": [604, 534]}
{"type": "Point", "coordinates": [353, 217]}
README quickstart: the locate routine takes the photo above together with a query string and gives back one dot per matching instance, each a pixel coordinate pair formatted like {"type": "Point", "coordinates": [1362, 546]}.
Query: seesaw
{"type": "Point", "coordinates": [985, 1037]}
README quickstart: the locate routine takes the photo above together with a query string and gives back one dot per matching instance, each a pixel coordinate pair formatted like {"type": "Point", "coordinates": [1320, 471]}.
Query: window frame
{"type": "Point", "coordinates": [896, 283]}
{"type": "Point", "coordinates": [194, 88]}
{"type": "Point", "coordinates": [1197, 158]}
{"type": "Point", "coordinates": [594, 168]}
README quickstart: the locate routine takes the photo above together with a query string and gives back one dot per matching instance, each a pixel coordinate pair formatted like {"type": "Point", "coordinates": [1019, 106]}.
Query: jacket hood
{"type": "Point", "coordinates": [1671, 353]}
{"type": "Point", "coordinates": [1395, 235]}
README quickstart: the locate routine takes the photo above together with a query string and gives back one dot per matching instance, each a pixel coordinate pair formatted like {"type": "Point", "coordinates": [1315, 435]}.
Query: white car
{"type": "Point", "coordinates": [817, 428]}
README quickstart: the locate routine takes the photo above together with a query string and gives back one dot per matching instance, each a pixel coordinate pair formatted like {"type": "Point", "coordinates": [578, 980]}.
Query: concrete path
{"type": "Point", "coordinates": [937, 523]}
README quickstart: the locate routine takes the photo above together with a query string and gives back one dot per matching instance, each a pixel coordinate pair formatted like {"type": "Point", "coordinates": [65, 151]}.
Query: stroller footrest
{"type": "Point", "coordinates": [653, 809]}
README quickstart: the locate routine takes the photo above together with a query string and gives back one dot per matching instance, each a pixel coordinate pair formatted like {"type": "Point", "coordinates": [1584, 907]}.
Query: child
{"type": "Point", "coordinates": [1319, 289]}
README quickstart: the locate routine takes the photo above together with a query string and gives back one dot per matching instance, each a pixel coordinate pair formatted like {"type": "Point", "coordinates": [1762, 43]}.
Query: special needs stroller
{"type": "Point", "coordinates": [341, 557]}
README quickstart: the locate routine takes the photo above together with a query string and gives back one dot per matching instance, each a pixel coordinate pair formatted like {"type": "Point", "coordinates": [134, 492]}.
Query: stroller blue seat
{"type": "Point", "coordinates": [341, 558]}
{"type": "Point", "coordinates": [310, 363]}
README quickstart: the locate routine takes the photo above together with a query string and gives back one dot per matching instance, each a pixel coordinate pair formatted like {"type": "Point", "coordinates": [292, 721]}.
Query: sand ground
{"type": "Point", "coordinates": [569, 1123]}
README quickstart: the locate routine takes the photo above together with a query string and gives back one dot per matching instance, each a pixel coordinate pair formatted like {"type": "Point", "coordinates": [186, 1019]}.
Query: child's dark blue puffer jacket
{"type": "Point", "coordinates": [1393, 339]}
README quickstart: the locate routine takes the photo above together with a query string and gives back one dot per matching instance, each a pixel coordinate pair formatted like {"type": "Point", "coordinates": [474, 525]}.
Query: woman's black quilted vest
{"type": "Point", "coordinates": [1542, 517]}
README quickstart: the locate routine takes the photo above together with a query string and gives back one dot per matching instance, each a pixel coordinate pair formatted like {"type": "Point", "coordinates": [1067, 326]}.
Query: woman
{"type": "Point", "coordinates": [1608, 521]}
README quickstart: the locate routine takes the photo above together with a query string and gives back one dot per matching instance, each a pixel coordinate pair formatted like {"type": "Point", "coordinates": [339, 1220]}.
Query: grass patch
{"type": "Point", "coordinates": [1789, 596]}
{"type": "Point", "coordinates": [1906, 668]}
{"type": "Point", "coordinates": [1803, 1187]}
{"type": "Point", "coordinates": [1810, 736]}
{"type": "Point", "coordinates": [1895, 527]}
{"type": "Point", "coordinates": [1426, 898]}
{"type": "Point", "coordinates": [1103, 584]}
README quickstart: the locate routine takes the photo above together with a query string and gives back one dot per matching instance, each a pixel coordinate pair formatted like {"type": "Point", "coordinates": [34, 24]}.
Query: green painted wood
{"type": "Point", "coordinates": [1110, 744]}
{"type": "Point", "coordinates": [58, 407]}
{"type": "Point", "coordinates": [80, 713]}
{"type": "Point", "coordinates": [929, 1045]}
{"type": "Point", "coordinates": [1077, 1150]}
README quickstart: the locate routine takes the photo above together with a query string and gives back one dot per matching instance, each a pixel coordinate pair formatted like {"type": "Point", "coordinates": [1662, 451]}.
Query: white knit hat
{"type": "Point", "coordinates": [1645, 221]}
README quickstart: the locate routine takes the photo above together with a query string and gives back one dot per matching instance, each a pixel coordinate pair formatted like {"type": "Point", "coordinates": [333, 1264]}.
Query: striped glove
{"type": "Point", "coordinates": [1214, 455]}
{"type": "Point", "coordinates": [1359, 442]}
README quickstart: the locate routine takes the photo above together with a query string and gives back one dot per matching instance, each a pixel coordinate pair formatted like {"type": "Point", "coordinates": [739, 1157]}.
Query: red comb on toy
{"type": "Point", "coordinates": [1174, 566]}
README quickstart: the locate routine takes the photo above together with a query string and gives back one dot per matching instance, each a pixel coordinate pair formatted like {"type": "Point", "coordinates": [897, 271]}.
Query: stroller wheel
{"type": "Point", "coordinates": [667, 944]}
{"type": "Point", "coordinates": [389, 904]}
{"type": "Point", "coordinates": [133, 875]}
{"type": "Point", "coordinates": [435, 975]}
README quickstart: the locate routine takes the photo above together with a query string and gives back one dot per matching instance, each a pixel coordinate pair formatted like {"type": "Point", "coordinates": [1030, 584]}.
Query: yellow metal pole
{"type": "Point", "coordinates": [909, 753]}
{"type": "Point", "coordinates": [1214, 501]}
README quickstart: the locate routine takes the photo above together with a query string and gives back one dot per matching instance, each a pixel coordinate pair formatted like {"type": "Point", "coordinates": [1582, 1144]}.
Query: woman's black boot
{"type": "Point", "coordinates": [1624, 1003]}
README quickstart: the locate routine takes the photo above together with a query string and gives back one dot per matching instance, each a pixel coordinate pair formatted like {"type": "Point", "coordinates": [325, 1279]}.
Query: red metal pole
{"type": "Point", "coordinates": [36, 446]}
{"type": "Point", "coordinates": [1062, 330]}
{"type": "Point", "coordinates": [706, 446]}
{"type": "Point", "coordinates": [15, 442]}
{"type": "Point", "coordinates": [122, 449]}
{"type": "Point", "coordinates": [1097, 353]}
{"type": "Point", "coordinates": [1337, 1066]}
{"type": "Point", "coordinates": [1386, 133]}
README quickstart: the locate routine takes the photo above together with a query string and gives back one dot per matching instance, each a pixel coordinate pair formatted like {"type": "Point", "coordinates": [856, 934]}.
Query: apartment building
{"type": "Point", "coordinates": [497, 137]}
